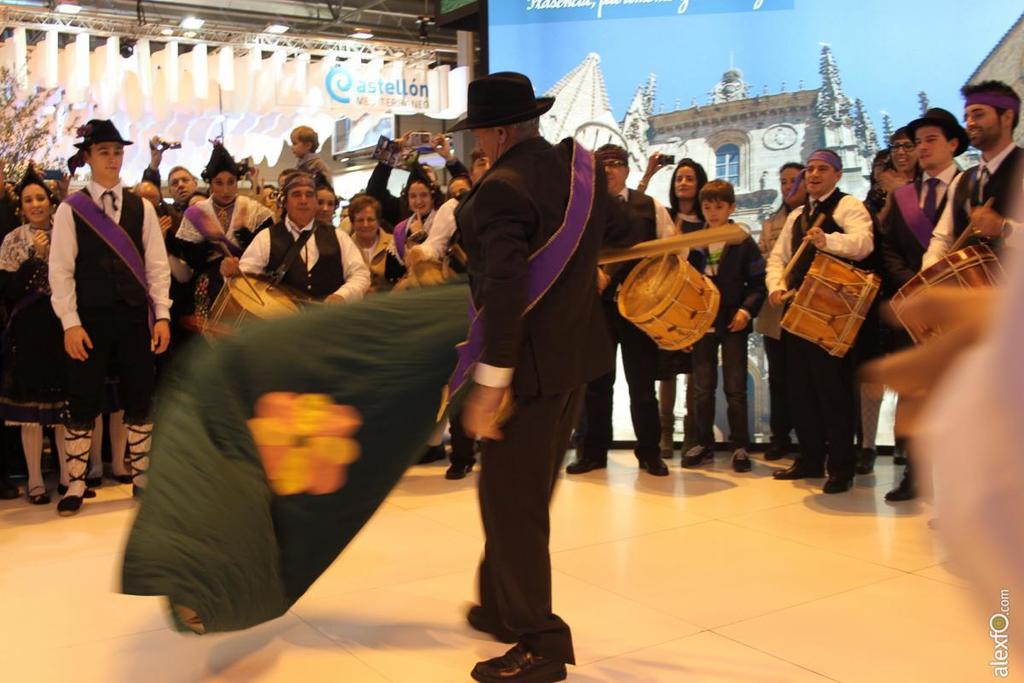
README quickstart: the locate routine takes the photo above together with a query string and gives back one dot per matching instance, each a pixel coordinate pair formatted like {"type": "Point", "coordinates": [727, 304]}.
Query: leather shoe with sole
{"type": "Point", "coordinates": [478, 619]}
{"type": "Point", "coordinates": [519, 665]}
{"type": "Point", "coordinates": [697, 456]}
{"type": "Point", "coordinates": [654, 466]}
{"type": "Point", "coordinates": [458, 471]}
{"type": "Point", "coordinates": [837, 484]}
{"type": "Point", "coordinates": [776, 452]}
{"type": "Point", "coordinates": [866, 461]}
{"type": "Point", "coordinates": [799, 471]}
{"type": "Point", "coordinates": [583, 465]}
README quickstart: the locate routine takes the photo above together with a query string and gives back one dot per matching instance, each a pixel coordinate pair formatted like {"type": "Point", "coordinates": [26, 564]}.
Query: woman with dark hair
{"type": "Point", "coordinates": [688, 178]}
{"type": "Point", "coordinates": [35, 378]}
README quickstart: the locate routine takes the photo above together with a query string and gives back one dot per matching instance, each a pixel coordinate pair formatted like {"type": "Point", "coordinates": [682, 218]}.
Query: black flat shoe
{"type": "Point", "coordinates": [741, 461]}
{"type": "Point", "coordinates": [62, 489]}
{"type": "Point", "coordinates": [519, 665]}
{"type": "Point", "coordinates": [905, 491]}
{"type": "Point", "coordinates": [655, 467]}
{"type": "Point", "coordinates": [776, 452]}
{"type": "Point", "coordinates": [39, 498]}
{"type": "Point", "coordinates": [69, 505]}
{"type": "Point", "coordinates": [583, 465]}
{"type": "Point", "coordinates": [122, 478]}
{"type": "Point", "coordinates": [837, 484]}
{"type": "Point", "coordinates": [94, 482]}
{"type": "Point", "coordinates": [432, 454]}
{"type": "Point", "coordinates": [697, 456]}
{"type": "Point", "coordinates": [480, 621]}
{"type": "Point", "coordinates": [866, 461]}
{"type": "Point", "coordinates": [799, 471]}
{"type": "Point", "coordinates": [458, 471]}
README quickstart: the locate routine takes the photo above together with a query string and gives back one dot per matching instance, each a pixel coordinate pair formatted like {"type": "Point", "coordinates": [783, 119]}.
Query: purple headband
{"type": "Point", "coordinates": [993, 100]}
{"type": "Point", "coordinates": [829, 157]}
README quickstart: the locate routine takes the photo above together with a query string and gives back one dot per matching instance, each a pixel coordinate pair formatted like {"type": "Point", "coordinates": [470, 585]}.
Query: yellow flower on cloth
{"type": "Point", "coordinates": [305, 441]}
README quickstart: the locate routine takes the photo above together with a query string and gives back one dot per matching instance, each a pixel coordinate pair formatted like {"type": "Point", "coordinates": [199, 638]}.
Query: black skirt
{"type": "Point", "coordinates": [34, 366]}
{"type": "Point", "coordinates": [672, 363]}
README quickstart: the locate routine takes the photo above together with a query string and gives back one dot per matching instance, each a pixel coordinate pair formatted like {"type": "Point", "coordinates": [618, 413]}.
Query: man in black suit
{"type": "Point", "coordinates": [537, 351]}
{"type": "Point", "coordinates": [648, 220]}
{"type": "Point", "coordinates": [908, 227]}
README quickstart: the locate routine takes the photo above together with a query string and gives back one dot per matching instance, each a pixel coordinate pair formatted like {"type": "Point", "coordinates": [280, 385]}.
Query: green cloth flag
{"type": "Point", "coordinates": [212, 533]}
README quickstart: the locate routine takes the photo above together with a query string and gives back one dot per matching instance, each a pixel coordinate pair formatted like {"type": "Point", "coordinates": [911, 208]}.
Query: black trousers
{"type": "Point", "coordinates": [780, 420]}
{"type": "Point", "coordinates": [517, 480]}
{"type": "Point", "coordinates": [705, 384]}
{"type": "Point", "coordinates": [822, 405]}
{"type": "Point", "coordinates": [640, 362]}
{"type": "Point", "coordinates": [121, 334]}
{"type": "Point", "coordinates": [462, 443]}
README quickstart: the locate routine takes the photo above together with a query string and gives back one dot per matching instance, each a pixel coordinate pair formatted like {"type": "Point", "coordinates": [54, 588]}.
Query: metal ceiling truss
{"type": "Point", "coordinates": [216, 34]}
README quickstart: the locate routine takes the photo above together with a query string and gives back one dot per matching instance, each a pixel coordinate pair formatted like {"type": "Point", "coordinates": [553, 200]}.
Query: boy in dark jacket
{"type": "Point", "coordinates": [738, 272]}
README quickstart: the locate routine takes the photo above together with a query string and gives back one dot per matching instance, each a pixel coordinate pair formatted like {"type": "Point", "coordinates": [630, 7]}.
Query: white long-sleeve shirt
{"type": "Point", "coordinates": [441, 231]}
{"type": "Point", "coordinates": [942, 236]}
{"type": "Point", "coordinates": [64, 251]}
{"type": "Point", "coordinates": [855, 242]}
{"type": "Point", "coordinates": [357, 275]}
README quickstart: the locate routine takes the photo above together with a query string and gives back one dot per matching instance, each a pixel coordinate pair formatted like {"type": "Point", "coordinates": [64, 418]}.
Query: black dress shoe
{"type": "Point", "coordinates": [480, 621]}
{"type": "Point", "coordinates": [432, 454]}
{"type": "Point", "coordinates": [519, 665]}
{"type": "Point", "coordinates": [799, 471]}
{"type": "Point", "coordinates": [584, 465]}
{"type": "Point", "coordinates": [905, 491]}
{"type": "Point", "coordinates": [8, 491]}
{"type": "Point", "coordinates": [458, 470]}
{"type": "Point", "coordinates": [837, 484]}
{"type": "Point", "coordinates": [69, 505]}
{"type": "Point", "coordinates": [697, 456]}
{"type": "Point", "coordinates": [866, 461]}
{"type": "Point", "coordinates": [741, 461]}
{"type": "Point", "coordinates": [654, 466]}
{"type": "Point", "coordinates": [776, 451]}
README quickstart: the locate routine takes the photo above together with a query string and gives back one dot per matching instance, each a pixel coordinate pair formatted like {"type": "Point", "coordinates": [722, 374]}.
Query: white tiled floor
{"type": "Point", "coordinates": [700, 576]}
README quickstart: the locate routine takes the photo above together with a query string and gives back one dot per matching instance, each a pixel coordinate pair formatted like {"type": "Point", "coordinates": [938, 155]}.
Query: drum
{"type": "Point", "coordinates": [669, 300]}
{"type": "Point", "coordinates": [249, 298]}
{"type": "Point", "coordinates": [831, 304]}
{"type": "Point", "coordinates": [973, 266]}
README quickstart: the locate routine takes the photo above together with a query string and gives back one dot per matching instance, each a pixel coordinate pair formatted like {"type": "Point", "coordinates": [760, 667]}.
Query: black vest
{"type": "Point", "coordinates": [327, 274]}
{"type": "Point", "coordinates": [800, 228]}
{"type": "Point", "coordinates": [102, 279]}
{"type": "Point", "coordinates": [1002, 187]}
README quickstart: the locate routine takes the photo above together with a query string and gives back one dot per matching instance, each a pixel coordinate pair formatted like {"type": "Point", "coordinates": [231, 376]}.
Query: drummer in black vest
{"type": "Point", "coordinates": [908, 227]}
{"type": "Point", "coordinates": [820, 385]}
{"type": "Point", "coordinates": [987, 196]}
{"type": "Point", "coordinates": [306, 255]}
{"type": "Point", "coordinates": [110, 278]}
{"type": "Point", "coordinates": [650, 220]}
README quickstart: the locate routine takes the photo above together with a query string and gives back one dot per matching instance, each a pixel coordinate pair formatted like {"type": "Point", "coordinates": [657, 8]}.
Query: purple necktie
{"type": "Point", "coordinates": [930, 197]}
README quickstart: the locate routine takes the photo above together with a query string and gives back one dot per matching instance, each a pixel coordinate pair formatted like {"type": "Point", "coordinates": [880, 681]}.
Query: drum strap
{"type": "Point", "coordinates": [289, 259]}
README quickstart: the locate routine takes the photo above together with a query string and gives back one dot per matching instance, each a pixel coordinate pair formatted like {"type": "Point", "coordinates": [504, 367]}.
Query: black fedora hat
{"type": "Point", "coordinates": [502, 99]}
{"type": "Point", "coordinates": [99, 130]}
{"type": "Point", "coordinates": [937, 116]}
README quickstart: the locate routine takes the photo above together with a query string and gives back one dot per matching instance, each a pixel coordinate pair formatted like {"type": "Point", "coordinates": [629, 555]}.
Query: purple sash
{"type": "Point", "coordinates": [400, 232]}
{"type": "Point", "coordinates": [913, 216]}
{"type": "Point", "coordinates": [210, 228]}
{"type": "Point", "coordinates": [115, 237]}
{"type": "Point", "coordinates": [546, 264]}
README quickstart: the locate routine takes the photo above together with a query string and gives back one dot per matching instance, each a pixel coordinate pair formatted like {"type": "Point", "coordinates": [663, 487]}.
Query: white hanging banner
{"type": "Point", "coordinates": [226, 68]}
{"type": "Point", "coordinates": [200, 72]}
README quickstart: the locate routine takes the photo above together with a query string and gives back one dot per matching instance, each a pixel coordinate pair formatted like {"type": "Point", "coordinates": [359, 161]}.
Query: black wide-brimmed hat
{"type": "Point", "coordinates": [947, 122]}
{"type": "Point", "coordinates": [502, 99]}
{"type": "Point", "coordinates": [99, 130]}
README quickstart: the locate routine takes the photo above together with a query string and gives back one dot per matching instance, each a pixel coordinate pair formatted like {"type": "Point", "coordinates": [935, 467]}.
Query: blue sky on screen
{"type": "Point", "coordinates": [887, 50]}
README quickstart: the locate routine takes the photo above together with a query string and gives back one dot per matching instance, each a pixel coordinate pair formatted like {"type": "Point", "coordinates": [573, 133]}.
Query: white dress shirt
{"type": "Point", "coordinates": [855, 242]}
{"type": "Point", "coordinates": [357, 275]}
{"type": "Point", "coordinates": [942, 236]}
{"type": "Point", "coordinates": [64, 251]}
{"type": "Point", "coordinates": [441, 231]}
